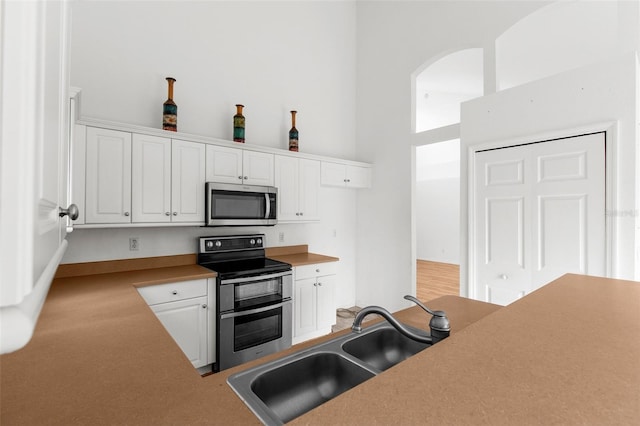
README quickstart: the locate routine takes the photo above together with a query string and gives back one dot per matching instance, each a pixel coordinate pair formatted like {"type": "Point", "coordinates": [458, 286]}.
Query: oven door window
{"type": "Point", "coordinates": [255, 329]}
{"type": "Point", "coordinates": [256, 294]}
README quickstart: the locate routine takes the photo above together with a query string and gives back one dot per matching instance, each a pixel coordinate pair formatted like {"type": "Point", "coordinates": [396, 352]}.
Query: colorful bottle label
{"type": "Point", "coordinates": [238, 128]}
{"type": "Point", "coordinates": [170, 117]}
{"type": "Point", "coordinates": [293, 140]}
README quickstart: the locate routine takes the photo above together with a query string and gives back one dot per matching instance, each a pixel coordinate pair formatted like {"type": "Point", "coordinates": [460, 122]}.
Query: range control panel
{"type": "Point", "coordinates": [231, 243]}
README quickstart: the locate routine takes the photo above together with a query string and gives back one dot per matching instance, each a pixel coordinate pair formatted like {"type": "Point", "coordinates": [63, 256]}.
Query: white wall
{"type": "Point", "coordinates": [437, 202]}
{"type": "Point", "coordinates": [271, 56]}
{"type": "Point", "coordinates": [394, 39]}
{"type": "Point", "coordinates": [438, 220]}
{"type": "Point", "coordinates": [576, 33]}
{"type": "Point", "coordinates": [602, 93]}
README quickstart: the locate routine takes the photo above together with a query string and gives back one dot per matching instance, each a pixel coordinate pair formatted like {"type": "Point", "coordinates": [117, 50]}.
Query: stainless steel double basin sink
{"type": "Point", "coordinates": [286, 388]}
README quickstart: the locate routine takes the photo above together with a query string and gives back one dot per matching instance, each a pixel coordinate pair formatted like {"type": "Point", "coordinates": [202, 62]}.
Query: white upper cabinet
{"type": "Point", "coordinates": [168, 180]}
{"type": "Point", "coordinates": [108, 176]}
{"type": "Point", "coordinates": [151, 179]}
{"type": "Point", "coordinates": [224, 164]}
{"type": "Point", "coordinates": [188, 180]}
{"type": "Point", "coordinates": [298, 183]}
{"type": "Point", "coordinates": [235, 165]}
{"type": "Point", "coordinates": [33, 160]}
{"type": "Point", "coordinates": [132, 176]}
{"type": "Point", "coordinates": [345, 175]}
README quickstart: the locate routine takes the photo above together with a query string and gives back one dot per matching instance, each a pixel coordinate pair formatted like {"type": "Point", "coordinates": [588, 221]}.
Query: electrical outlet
{"type": "Point", "coordinates": [281, 237]}
{"type": "Point", "coordinates": [134, 243]}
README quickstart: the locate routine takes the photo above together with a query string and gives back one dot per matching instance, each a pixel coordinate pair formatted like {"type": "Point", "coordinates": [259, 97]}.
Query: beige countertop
{"type": "Point", "coordinates": [298, 255]}
{"type": "Point", "coordinates": [566, 354]}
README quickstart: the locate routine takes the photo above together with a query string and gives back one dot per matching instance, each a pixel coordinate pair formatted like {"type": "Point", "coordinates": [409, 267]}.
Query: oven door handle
{"type": "Point", "coordinates": [254, 311]}
{"type": "Point", "coordinates": [255, 278]}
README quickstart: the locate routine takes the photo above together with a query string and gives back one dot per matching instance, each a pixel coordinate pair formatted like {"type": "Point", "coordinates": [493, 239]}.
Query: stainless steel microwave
{"type": "Point", "coordinates": [240, 205]}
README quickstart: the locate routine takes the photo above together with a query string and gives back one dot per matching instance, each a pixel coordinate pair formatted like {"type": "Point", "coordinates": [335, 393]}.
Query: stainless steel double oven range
{"type": "Point", "coordinates": [254, 298]}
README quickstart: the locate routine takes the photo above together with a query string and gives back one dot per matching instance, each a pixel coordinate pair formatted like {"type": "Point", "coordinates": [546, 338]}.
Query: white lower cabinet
{"type": "Point", "coordinates": [314, 300]}
{"type": "Point", "coordinates": [186, 309]}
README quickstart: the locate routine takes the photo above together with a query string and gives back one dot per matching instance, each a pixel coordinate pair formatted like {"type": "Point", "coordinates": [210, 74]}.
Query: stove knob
{"type": "Point", "coordinates": [252, 241]}
{"type": "Point", "coordinates": [260, 241]}
{"type": "Point", "coordinates": [209, 245]}
{"type": "Point", "coordinates": [218, 244]}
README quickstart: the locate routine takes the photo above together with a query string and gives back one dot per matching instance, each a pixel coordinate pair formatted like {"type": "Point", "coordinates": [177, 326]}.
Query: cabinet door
{"type": "Point", "coordinates": [326, 309]}
{"type": "Point", "coordinates": [333, 174]}
{"type": "Point", "coordinates": [108, 186]}
{"type": "Point", "coordinates": [186, 322]}
{"type": "Point", "coordinates": [304, 312]}
{"type": "Point", "coordinates": [188, 180]}
{"type": "Point", "coordinates": [223, 164]}
{"type": "Point", "coordinates": [308, 189]}
{"type": "Point", "coordinates": [286, 180]}
{"type": "Point", "coordinates": [257, 168]}
{"type": "Point", "coordinates": [33, 151]}
{"type": "Point", "coordinates": [358, 177]}
{"type": "Point", "coordinates": [151, 179]}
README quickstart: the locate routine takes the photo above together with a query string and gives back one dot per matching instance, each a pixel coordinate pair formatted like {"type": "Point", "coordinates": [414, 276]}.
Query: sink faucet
{"type": "Point", "coordinates": [439, 323]}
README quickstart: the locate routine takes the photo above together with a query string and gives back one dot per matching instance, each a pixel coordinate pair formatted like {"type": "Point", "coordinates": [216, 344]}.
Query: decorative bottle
{"type": "Point", "coordinates": [293, 133]}
{"type": "Point", "coordinates": [238, 125]}
{"type": "Point", "coordinates": [170, 110]}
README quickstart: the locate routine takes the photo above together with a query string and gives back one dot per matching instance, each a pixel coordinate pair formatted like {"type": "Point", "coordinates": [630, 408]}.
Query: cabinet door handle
{"type": "Point", "coordinates": [72, 211]}
{"type": "Point", "coordinates": [317, 270]}
{"type": "Point", "coordinates": [319, 284]}
{"type": "Point", "coordinates": [245, 178]}
{"type": "Point", "coordinates": [240, 177]}
{"type": "Point", "coordinates": [174, 292]}
{"type": "Point", "coordinates": [204, 306]}
{"type": "Point", "coordinates": [126, 213]}
{"type": "Point", "coordinates": [167, 214]}
{"type": "Point", "coordinates": [175, 213]}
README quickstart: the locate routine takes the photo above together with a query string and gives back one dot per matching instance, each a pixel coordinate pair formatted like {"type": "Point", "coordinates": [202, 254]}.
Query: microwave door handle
{"type": "Point", "coordinates": [268, 203]}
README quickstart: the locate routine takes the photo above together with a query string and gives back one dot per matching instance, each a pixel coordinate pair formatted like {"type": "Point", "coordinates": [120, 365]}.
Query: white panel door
{"type": "Point", "coordinates": [539, 214]}
{"type": "Point", "coordinates": [150, 179]}
{"type": "Point", "coordinates": [188, 181]}
{"type": "Point", "coordinates": [502, 189]}
{"type": "Point", "coordinates": [108, 185]}
{"type": "Point", "coordinates": [569, 214]}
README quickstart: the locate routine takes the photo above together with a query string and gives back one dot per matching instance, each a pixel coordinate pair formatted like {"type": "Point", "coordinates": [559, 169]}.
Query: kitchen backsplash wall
{"type": "Point", "coordinates": [333, 235]}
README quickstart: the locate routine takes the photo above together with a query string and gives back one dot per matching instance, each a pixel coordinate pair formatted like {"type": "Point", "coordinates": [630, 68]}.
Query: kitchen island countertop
{"type": "Point", "coordinates": [568, 353]}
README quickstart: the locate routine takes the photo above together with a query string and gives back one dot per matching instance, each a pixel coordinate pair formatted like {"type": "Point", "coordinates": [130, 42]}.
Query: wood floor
{"type": "Point", "coordinates": [435, 279]}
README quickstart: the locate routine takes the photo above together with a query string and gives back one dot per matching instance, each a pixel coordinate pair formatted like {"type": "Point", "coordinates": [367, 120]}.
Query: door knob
{"type": "Point", "coordinates": [71, 211]}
